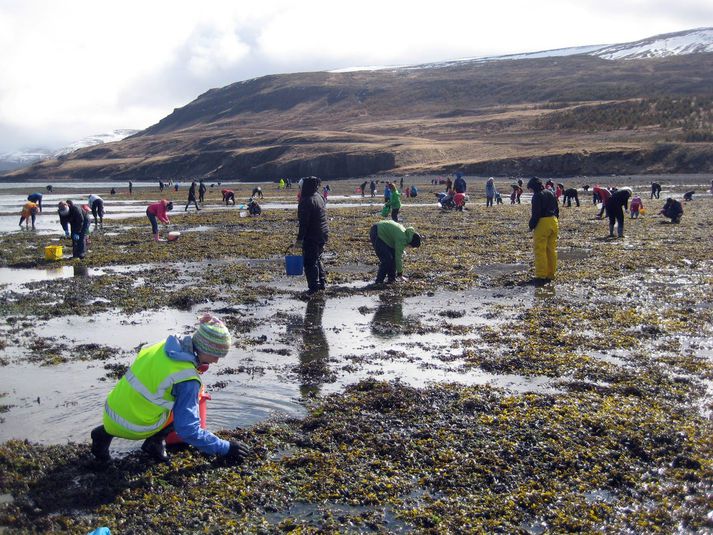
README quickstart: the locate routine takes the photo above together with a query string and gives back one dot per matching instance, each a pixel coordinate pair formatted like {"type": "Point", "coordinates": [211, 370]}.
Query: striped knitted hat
{"type": "Point", "coordinates": [212, 337]}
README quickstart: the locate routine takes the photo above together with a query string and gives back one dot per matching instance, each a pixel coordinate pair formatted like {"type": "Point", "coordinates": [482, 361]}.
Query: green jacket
{"type": "Point", "coordinates": [395, 236]}
{"type": "Point", "coordinates": [395, 200]}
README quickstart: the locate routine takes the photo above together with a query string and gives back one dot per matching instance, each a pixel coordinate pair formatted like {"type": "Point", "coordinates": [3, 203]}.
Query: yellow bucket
{"type": "Point", "coordinates": [53, 252]}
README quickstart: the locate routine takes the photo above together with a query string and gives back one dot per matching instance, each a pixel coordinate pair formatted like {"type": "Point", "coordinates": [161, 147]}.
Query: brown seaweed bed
{"type": "Point", "coordinates": [624, 444]}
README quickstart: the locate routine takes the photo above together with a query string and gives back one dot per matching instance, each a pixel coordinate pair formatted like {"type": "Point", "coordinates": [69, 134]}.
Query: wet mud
{"type": "Point", "coordinates": [465, 399]}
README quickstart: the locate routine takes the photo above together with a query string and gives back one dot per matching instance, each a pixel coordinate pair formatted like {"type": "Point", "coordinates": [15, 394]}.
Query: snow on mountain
{"type": "Point", "coordinates": [23, 158]}
{"type": "Point", "coordinates": [670, 44]}
{"type": "Point", "coordinates": [659, 46]}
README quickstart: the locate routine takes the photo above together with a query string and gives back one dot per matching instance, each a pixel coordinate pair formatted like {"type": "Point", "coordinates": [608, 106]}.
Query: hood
{"type": "Point", "coordinates": [491, 180]}
{"type": "Point", "coordinates": [310, 186]}
{"type": "Point", "coordinates": [180, 349]}
{"type": "Point", "coordinates": [409, 232]}
{"type": "Point", "coordinates": [535, 184]}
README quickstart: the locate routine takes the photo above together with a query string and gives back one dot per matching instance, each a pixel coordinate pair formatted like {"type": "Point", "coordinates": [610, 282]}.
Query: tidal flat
{"type": "Point", "coordinates": [463, 400]}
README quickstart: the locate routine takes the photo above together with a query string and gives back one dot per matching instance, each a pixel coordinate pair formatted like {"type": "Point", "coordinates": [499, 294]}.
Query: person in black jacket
{"type": "Point", "coordinates": [72, 219]}
{"type": "Point", "coordinates": [201, 192]}
{"type": "Point", "coordinates": [192, 197]}
{"type": "Point", "coordinates": [673, 210]}
{"type": "Point", "coordinates": [313, 233]}
{"type": "Point", "coordinates": [618, 202]}
{"type": "Point", "coordinates": [544, 223]}
{"type": "Point", "coordinates": [569, 194]}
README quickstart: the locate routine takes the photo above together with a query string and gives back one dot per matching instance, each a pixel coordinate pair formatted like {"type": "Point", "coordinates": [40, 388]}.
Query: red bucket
{"type": "Point", "coordinates": [203, 398]}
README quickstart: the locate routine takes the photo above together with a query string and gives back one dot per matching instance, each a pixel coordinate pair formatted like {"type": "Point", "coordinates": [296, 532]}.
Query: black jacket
{"type": "Point", "coordinates": [312, 213]}
{"type": "Point", "coordinates": [618, 199]}
{"type": "Point", "coordinates": [74, 219]}
{"type": "Point", "coordinates": [544, 204]}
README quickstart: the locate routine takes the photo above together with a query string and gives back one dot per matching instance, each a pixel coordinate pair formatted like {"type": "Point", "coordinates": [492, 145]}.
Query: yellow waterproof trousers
{"type": "Point", "coordinates": [545, 246]}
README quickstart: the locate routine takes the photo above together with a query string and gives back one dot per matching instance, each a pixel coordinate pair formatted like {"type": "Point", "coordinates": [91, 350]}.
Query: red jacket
{"type": "Point", "coordinates": [159, 210]}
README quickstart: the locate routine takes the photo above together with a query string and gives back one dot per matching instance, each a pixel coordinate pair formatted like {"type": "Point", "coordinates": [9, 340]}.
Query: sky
{"type": "Point", "coordinates": [74, 68]}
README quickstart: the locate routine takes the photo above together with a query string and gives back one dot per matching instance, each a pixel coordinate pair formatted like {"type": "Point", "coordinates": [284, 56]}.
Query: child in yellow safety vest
{"type": "Point", "coordinates": [160, 393]}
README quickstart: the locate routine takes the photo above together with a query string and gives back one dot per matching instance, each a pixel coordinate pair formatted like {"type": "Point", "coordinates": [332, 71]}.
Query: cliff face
{"type": "Point", "coordinates": [547, 116]}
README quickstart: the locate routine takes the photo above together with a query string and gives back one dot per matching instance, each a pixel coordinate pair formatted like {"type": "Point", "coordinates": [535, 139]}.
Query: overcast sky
{"type": "Point", "coordinates": [74, 68]}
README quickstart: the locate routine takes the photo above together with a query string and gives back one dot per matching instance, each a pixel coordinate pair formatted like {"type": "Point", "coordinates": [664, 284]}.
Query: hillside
{"type": "Point", "coordinates": [565, 115]}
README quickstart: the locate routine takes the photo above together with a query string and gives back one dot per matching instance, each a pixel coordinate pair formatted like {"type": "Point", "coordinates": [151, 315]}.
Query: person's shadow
{"type": "Point", "coordinates": [313, 368]}
{"type": "Point", "coordinates": [388, 318]}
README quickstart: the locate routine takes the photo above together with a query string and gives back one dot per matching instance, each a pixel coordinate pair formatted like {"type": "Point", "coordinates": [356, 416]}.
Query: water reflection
{"type": "Point", "coordinates": [314, 354]}
{"type": "Point", "coordinates": [388, 319]}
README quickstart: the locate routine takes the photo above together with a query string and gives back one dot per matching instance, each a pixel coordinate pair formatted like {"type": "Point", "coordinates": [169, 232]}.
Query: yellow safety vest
{"type": "Point", "coordinates": [141, 402]}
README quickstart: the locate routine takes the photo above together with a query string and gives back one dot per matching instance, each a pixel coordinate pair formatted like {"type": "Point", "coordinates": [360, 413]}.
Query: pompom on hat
{"type": "Point", "coordinates": [212, 338]}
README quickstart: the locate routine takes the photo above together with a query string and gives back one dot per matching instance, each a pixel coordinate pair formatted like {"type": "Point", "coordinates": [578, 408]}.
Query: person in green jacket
{"type": "Point", "coordinates": [395, 201]}
{"type": "Point", "coordinates": [389, 240]}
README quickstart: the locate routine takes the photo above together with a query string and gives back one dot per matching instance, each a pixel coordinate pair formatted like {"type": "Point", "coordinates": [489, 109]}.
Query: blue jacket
{"type": "Point", "coordinates": [186, 418]}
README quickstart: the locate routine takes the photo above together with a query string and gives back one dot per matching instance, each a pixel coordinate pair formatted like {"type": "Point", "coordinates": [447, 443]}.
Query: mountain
{"type": "Point", "coordinates": [547, 113]}
{"type": "Point", "coordinates": [19, 159]}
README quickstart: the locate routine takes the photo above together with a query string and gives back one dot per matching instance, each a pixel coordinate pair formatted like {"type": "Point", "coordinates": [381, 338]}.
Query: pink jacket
{"type": "Point", "coordinates": [159, 210]}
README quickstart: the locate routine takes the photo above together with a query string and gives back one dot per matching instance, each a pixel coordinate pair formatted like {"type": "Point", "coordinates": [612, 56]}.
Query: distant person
{"type": "Point", "coordinates": [688, 196]}
{"type": "Point", "coordinates": [655, 190]}
{"type": "Point", "coordinates": [325, 192]}
{"type": "Point", "coordinates": [257, 192]}
{"type": "Point", "coordinates": [449, 183]}
{"type": "Point", "coordinates": [459, 184]}
{"type": "Point", "coordinates": [414, 191]}
{"type": "Point", "coordinates": [389, 240]}
{"type": "Point", "coordinates": [175, 186]}
{"type": "Point", "coordinates": [71, 219]}
{"type": "Point", "coordinates": [313, 233]}
{"type": "Point", "coordinates": [401, 183]}
{"type": "Point", "coordinates": [387, 193]}
{"type": "Point", "coordinates": [86, 224]}
{"type": "Point", "coordinates": [131, 187]}
{"type": "Point", "coordinates": [545, 226]}
{"type": "Point", "coordinates": [673, 210]}
{"type": "Point", "coordinates": [617, 203]}
{"type": "Point", "coordinates": [372, 188]}
{"type": "Point", "coordinates": [585, 187]}
{"type": "Point", "coordinates": [394, 201]}
{"type": "Point", "coordinates": [97, 205]}
{"type": "Point", "coordinates": [515, 194]}
{"type": "Point", "coordinates": [112, 192]}
{"type": "Point", "coordinates": [29, 213]}
{"type": "Point", "coordinates": [490, 192]}
{"type": "Point", "coordinates": [603, 195]}
{"type": "Point", "coordinates": [156, 212]}
{"type": "Point", "coordinates": [201, 192]}
{"type": "Point", "coordinates": [192, 197]}
{"type": "Point", "coordinates": [569, 194]}
{"type": "Point", "coordinates": [161, 185]}
{"type": "Point", "coordinates": [36, 198]}
{"type": "Point", "coordinates": [363, 188]}
{"type": "Point", "coordinates": [49, 188]}
{"type": "Point", "coordinates": [635, 207]}
{"type": "Point", "coordinates": [254, 209]}
{"type": "Point", "coordinates": [228, 196]}
{"type": "Point", "coordinates": [281, 184]}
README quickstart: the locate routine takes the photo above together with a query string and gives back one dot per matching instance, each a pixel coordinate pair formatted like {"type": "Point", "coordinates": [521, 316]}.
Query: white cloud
{"type": "Point", "coordinates": [83, 67]}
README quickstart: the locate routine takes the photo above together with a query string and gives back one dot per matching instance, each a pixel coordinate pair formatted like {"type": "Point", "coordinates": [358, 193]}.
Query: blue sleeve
{"type": "Point", "coordinates": [187, 423]}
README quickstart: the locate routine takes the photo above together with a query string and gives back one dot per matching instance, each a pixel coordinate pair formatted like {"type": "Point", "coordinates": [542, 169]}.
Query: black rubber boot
{"type": "Point", "coordinates": [155, 446]}
{"type": "Point", "coordinates": [101, 440]}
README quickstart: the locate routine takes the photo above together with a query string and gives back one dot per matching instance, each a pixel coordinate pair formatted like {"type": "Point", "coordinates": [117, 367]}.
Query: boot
{"type": "Point", "coordinates": [611, 231]}
{"type": "Point", "coordinates": [155, 446]}
{"type": "Point", "coordinates": [101, 440]}
{"type": "Point", "coordinates": [155, 237]}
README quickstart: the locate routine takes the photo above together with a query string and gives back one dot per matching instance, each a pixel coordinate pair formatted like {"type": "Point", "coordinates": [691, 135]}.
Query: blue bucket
{"type": "Point", "coordinates": [294, 265]}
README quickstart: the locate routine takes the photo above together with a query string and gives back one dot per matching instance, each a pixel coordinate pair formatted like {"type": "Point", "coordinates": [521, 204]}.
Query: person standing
{"type": "Point", "coordinates": [395, 201]}
{"type": "Point", "coordinates": [655, 190]}
{"type": "Point", "coordinates": [389, 240]}
{"type": "Point", "coordinates": [201, 192]}
{"type": "Point", "coordinates": [313, 233]}
{"type": "Point", "coordinates": [363, 188]}
{"type": "Point", "coordinates": [97, 205]}
{"type": "Point", "coordinates": [29, 212]}
{"type": "Point", "coordinates": [372, 188]}
{"type": "Point", "coordinates": [192, 197]}
{"type": "Point", "coordinates": [459, 184]}
{"type": "Point", "coordinates": [158, 211]}
{"type": "Point", "coordinates": [36, 198]}
{"type": "Point", "coordinates": [160, 393]}
{"type": "Point", "coordinates": [545, 226]}
{"type": "Point", "coordinates": [617, 203]}
{"type": "Point", "coordinates": [72, 219]}
{"type": "Point", "coordinates": [489, 191]}
{"type": "Point", "coordinates": [131, 187]}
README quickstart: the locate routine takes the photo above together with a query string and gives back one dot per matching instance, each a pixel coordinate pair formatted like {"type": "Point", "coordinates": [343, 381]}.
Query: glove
{"type": "Point", "coordinates": [237, 452]}
{"type": "Point", "coordinates": [75, 237]}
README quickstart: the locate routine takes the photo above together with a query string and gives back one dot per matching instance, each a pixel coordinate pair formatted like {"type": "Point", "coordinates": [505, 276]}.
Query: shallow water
{"type": "Point", "coordinates": [345, 339]}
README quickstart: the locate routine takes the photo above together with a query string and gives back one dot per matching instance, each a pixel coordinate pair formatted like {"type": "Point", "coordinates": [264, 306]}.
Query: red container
{"type": "Point", "coordinates": [203, 397]}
